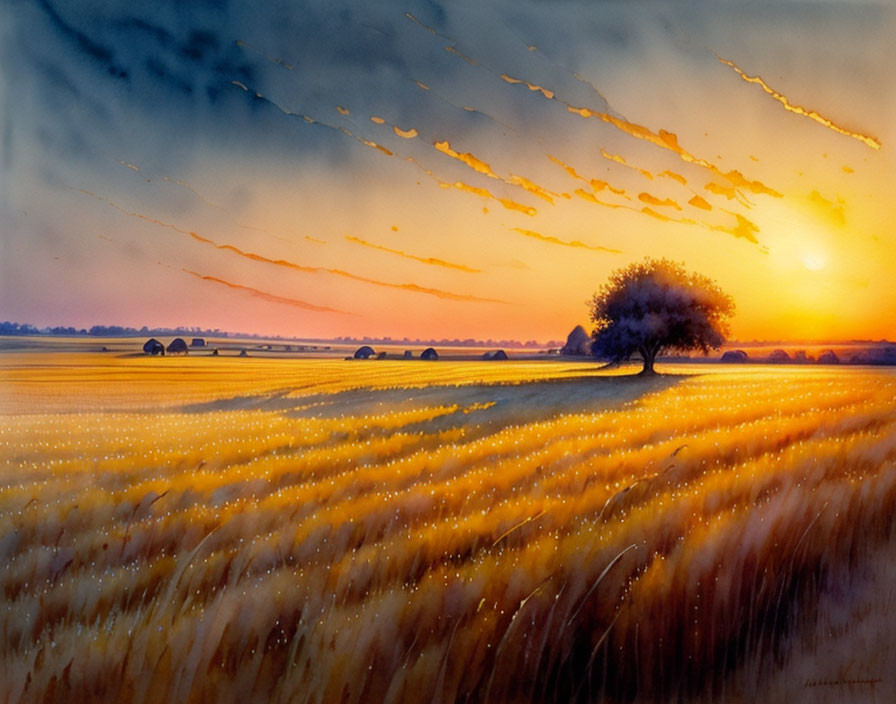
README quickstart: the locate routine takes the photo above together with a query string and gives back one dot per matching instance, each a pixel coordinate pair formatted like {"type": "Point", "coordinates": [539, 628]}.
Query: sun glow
{"type": "Point", "coordinates": [814, 259]}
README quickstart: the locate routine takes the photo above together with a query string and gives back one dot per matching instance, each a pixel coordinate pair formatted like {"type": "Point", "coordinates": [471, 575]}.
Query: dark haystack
{"type": "Point", "coordinates": [197, 342]}
{"type": "Point", "coordinates": [499, 355]}
{"type": "Point", "coordinates": [735, 357]}
{"type": "Point", "coordinates": [486, 355]}
{"type": "Point", "coordinates": [578, 343]}
{"type": "Point", "coordinates": [364, 352]}
{"type": "Point", "coordinates": [215, 352]}
{"type": "Point", "coordinates": [178, 346]}
{"type": "Point", "coordinates": [408, 354]}
{"type": "Point", "coordinates": [429, 353]}
{"type": "Point", "coordinates": [779, 357]}
{"type": "Point", "coordinates": [828, 357]}
{"type": "Point", "coordinates": [382, 355]}
{"type": "Point", "coordinates": [244, 353]}
{"type": "Point", "coordinates": [153, 346]}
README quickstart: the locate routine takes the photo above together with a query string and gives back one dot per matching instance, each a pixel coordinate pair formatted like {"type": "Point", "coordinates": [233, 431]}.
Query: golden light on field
{"type": "Point", "coordinates": [382, 532]}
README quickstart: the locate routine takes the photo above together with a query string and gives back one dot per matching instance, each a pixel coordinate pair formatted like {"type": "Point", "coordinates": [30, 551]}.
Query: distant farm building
{"type": "Point", "coordinates": [178, 346]}
{"type": "Point", "coordinates": [578, 343]}
{"type": "Point", "coordinates": [828, 357]}
{"type": "Point", "coordinates": [779, 357]}
{"type": "Point", "coordinates": [735, 357]}
{"type": "Point", "coordinates": [382, 355]}
{"type": "Point", "coordinates": [153, 346]}
{"type": "Point", "coordinates": [408, 354]}
{"type": "Point", "coordinates": [364, 352]}
{"type": "Point", "coordinates": [430, 354]}
{"type": "Point", "coordinates": [499, 356]}
{"type": "Point", "coordinates": [244, 353]}
{"type": "Point", "coordinates": [197, 342]}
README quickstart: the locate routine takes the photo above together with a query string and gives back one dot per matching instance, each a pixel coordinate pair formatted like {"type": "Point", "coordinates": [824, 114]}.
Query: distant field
{"type": "Point", "coordinates": [224, 529]}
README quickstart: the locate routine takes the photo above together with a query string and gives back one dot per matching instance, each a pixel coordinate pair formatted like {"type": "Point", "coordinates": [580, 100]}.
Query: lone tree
{"type": "Point", "coordinates": [655, 306]}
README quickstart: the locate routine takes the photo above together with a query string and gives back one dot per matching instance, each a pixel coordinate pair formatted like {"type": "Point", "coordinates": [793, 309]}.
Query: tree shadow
{"type": "Point", "coordinates": [489, 406]}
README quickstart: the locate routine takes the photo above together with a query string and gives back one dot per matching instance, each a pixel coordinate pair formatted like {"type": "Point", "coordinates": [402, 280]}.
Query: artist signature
{"type": "Point", "coordinates": [870, 682]}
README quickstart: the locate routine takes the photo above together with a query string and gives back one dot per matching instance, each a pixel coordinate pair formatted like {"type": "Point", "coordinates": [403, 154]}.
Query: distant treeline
{"type": "Point", "coordinates": [445, 342]}
{"type": "Point", "coordinates": [8, 328]}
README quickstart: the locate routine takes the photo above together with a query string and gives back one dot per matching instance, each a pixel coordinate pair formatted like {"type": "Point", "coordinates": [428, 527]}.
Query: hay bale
{"type": "Point", "coordinates": [154, 347]}
{"type": "Point", "coordinates": [178, 346]}
{"type": "Point", "coordinates": [735, 357]}
{"type": "Point", "coordinates": [578, 343]}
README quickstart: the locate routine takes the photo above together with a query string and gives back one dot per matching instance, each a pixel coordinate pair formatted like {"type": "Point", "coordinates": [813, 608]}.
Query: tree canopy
{"type": "Point", "coordinates": [655, 306]}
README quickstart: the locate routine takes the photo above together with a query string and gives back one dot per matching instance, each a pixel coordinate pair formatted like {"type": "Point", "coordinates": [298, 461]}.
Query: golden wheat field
{"type": "Point", "coordinates": [253, 530]}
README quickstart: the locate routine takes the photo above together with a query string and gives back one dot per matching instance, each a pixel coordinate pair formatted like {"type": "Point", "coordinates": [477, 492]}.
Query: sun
{"type": "Point", "coordinates": [814, 260]}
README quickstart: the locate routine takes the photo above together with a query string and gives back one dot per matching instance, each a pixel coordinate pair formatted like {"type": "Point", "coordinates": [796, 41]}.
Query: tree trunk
{"type": "Point", "coordinates": [649, 358]}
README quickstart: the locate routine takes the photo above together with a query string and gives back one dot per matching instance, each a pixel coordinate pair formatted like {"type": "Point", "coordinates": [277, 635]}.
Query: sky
{"type": "Point", "coordinates": [444, 170]}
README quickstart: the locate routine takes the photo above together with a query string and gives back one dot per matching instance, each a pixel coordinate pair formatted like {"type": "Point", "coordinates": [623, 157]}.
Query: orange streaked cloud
{"type": "Point", "coordinates": [674, 176]}
{"type": "Point", "coordinates": [597, 184]}
{"type": "Point", "coordinates": [653, 200]}
{"type": "Point", "coordinates": [669, 140]}
{"type": "Point", "coordinates": [453, 50]}
{"type": "Point", "coordinates": [662, 138]}
{"type": "Point", "coordinates": [265, 296]}
{"type": "Point", "coordinates": [738, 179]}
{"type": "Point", "coordinates": [619, 159]}
{"type": "Point", "coordinates": [591, 198]}
{"type": "Point", "coordinates": [485, 193]}
{"type": "Point", "coordinates": [665, 218]}
{"type": "Point", "coordinates": [513, 205]}
{"type": "Point", "coordinates": [532, 187]}
{"type": "Point", "coordinates": [743, 228]}
{"type": "Point", "coordinates": [799, 110]}
{"type": "Point", "coordinates": [285, 263]}
{"type": "Point", "coordinates": [405, 134]}
{"type": "Point", "coordinates": [699, 202]}
{"type": "Point", "coordinates": [433, 261]}
{"type": "Point", "coordinates": [720, 189]}
{"type": "Point", "coordinates": [438, 293]}
{"type": "Point", "coordinates": [467, 158]}
{"type": "Point", "coordinates": [569, 169]}
{"type": "Point", "coordinates": [566, 243]}
{"type": "Point", "coordinates": [549, 94]}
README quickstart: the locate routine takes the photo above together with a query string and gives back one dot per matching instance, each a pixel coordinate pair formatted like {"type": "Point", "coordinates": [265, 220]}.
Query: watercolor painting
{"type": "Point", "coordinates": [447, 351]}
